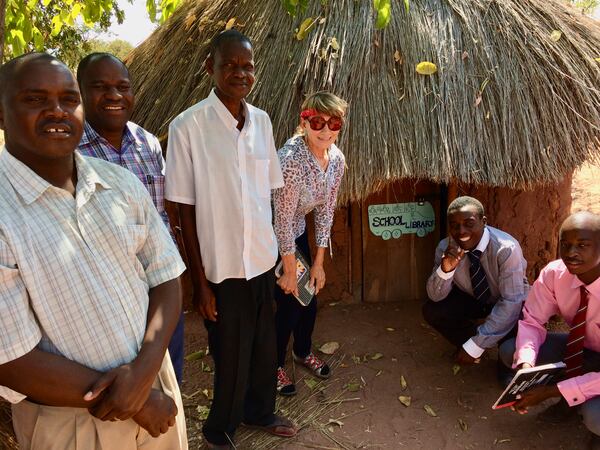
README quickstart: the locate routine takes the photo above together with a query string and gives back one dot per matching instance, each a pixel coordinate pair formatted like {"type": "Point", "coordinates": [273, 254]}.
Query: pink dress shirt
{"type": "Point", "coordinates": [556, 291]}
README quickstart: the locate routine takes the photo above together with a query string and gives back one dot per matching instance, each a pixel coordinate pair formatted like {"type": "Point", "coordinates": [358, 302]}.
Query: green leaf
{"type": "Point", "coordinates": [57, 25]}
{"type": "Point", "coordinates": [45, 2]}
{"type": "Point", "coordinates": [38, 39]}
{"type": "Point", "coordinates": [76, 11]}
{"type": "Point", "coordinates": [151, 7]}
{"type": "Point", "coordinates": [305, 27]}
{"type": "Point", "coordinates": [407, 5]}
{"type": "Point", "coordinates": [384, 13]}
{"type": "Point", "coordinates": [17, 41]}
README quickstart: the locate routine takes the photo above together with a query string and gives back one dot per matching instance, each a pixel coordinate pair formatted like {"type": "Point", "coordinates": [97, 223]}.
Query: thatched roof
{"type": "Point", "coordinates": [509, 106]}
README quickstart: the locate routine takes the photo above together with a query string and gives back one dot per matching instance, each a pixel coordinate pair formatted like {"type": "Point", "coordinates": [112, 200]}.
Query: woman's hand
{"type": "Point", "coordinates": [317, 277]}
{"type": "Point", "coordinates": [288, 283]}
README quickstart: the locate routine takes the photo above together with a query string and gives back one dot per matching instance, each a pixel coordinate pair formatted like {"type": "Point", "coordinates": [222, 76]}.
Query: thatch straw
{"type": "Point", "coordinates": [7, 437]}
{"type": "Point", "coordinates": [538, 116]}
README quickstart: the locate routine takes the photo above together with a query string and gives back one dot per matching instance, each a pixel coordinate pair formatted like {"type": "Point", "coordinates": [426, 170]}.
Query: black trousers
{"type": "Point", "coordinates": [292, 317]}
{"type": "Point", "coordinates": [456, 316]}
{"type": "Point", "coordinates": [242, 344]}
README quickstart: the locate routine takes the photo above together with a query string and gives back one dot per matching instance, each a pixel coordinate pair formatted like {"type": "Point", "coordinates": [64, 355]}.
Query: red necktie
{"type": "Point", "coordinates": [574, 353]}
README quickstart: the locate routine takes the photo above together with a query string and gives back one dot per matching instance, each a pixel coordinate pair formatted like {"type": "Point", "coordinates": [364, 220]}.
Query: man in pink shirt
{"type": "Point", "coordinates": [569, 287]}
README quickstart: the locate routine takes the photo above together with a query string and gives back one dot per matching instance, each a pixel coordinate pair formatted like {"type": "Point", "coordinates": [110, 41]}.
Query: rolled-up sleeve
{"type": "Point", "coordinates": [179, 170]}
{"type": "Point", "coordinates": [439, 283]}
{"type": "Point", "coordinates": [275, 173]}
{"type": "Point", "coordinates": [513, 291]}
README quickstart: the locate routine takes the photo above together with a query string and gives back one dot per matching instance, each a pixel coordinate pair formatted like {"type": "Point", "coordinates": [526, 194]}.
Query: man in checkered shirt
{"type": "Point", "coordinates": [108, 134]}
{"type": "Point", "coordinates": [89, 281]}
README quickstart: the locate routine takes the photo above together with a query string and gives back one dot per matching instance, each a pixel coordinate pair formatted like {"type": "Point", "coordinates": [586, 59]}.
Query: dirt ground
{"type": "Point", "coordinates": [379, 344]}
{"type": "Point", "coordinates": [359, 406]}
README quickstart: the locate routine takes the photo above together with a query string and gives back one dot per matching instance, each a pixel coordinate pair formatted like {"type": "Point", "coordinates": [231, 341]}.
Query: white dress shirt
{"type": "Point", "coordinates": [75, 271]}
{"type": "Point", "coordinates": [228, 175]}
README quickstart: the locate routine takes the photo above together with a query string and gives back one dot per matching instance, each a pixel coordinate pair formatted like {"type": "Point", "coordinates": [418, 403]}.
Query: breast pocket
{"type": "Point", "coordinates": [156, 188]}
{"type": "Point", "coordinates": [263, 182]}
{"type": "Point", "coordinates": [132, 237]}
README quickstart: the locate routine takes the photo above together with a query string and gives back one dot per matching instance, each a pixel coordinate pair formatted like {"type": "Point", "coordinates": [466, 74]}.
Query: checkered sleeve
{"type": "Point", "coordinates": [19, 330]}
{"type": "Point", "coordinates": [158, 255]}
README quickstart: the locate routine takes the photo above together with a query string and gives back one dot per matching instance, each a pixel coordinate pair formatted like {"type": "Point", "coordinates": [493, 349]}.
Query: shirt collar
{"type": "Point", "coordinates": [224, 113]}
{"type": "Point", "coordinates": [91, 136]}
{"type": "Point", "coordinates": [593, 288]}
{"type": "Point", "coordinates": [30, 186]}
{"type": "Point", "coordinates": [484, 241]}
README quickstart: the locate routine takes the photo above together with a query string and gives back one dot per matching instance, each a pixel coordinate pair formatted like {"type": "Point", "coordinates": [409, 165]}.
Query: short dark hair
{"type": "Point", "coordinates": [463, 201]}
{"type": "Point", "coordinates": [96, 56]}
{"type": "Point", "coordinates": [8, 69]}
{"type": "Point", "coordinates": [226, 36]}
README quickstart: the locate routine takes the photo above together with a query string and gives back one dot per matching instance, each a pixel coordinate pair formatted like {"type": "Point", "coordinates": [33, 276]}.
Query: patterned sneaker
{"type": "Point", "coordinates": [284, 384]}
{"type": "Point", "coordinates": [314, 364]}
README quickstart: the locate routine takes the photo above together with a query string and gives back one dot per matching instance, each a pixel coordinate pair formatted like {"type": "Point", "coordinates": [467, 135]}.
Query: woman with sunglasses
{"type": "Point", "coordinates": [312, 168]}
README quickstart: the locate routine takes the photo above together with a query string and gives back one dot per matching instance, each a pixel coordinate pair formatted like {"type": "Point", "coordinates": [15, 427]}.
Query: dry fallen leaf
{"type": "Point", "coordinates": [403, 382]}
{"type": "Point", "coordinates": [556, 35]}
{"type": "Point", "coordinates": [426, 68]}
{"type": "Point", "coordinates": [203, 411]}
{"type": "Point", "coordinates": [500, 441]}
{"type": "Point", "coordinates": [208, 393]}
{"type": "Point", "coordinates": [189, 20]}
{"type": "Point", "coordinates": [311, 383]}
{"type": "Point", "coordinates": [194, 356]}
{"type": "Point", "coordinates": [230, 23]}
{"type": "Point", "coordinates": [397, 57]}
{"type": "Point", "coordinates": [329, 348]}
{"type": "Point", "coordinates": [353, 386]}
{"type": "Point", "coordinates": [356, 359]}
{"type": "Point", "coordinates": [455, 369]}
{"type": "Point", "coordinates": [405, 400]}
{"type": "Point", "coordinates": [429, 410]}
{"type": "Point", "coordinates": [339, 423]}
{"type": "Point", "coordinates": [463, 425]}
{"type": "Point", "coordinates": [321, 20]}
{"type": "Point", "coordinates": [334, 44]}
{"type": "Point", "coordinates": [390, 329]}
{"type": "Point", "coordinates": [465, 55]}
{"type": "Point", "coordinates": [379, 373]}
{"type": "Point", "coordinates": [377, 356]}
{"type": "Point", "coordinates": [478, 100]}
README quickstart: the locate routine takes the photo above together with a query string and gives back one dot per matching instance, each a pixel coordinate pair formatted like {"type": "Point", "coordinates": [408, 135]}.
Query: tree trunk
{"type": "Point", "coordinates": [2, 19]}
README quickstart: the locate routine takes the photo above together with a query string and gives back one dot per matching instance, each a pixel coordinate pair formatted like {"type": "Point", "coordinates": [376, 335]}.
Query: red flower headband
{"type": "Point", "coordinates": [308, 113]}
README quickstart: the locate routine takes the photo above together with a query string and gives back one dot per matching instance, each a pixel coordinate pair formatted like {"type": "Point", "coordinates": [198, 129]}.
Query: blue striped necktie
{"type": "Point", "coordinates": [481, 288]}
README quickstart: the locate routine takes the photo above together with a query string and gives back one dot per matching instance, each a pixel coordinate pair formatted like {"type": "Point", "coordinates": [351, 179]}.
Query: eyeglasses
{"type": "Point", "coordinates": [317, 123]}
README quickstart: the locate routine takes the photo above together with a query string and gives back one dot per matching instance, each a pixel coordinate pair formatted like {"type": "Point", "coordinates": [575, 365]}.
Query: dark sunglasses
{"type": "Point", "coordinates": [318, 123]}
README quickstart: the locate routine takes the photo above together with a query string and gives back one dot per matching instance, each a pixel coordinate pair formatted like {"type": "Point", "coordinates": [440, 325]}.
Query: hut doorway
{"type": "Point", "coordinates": [384, 246]}
{"type": "Point", "coordinates": [399, 233]}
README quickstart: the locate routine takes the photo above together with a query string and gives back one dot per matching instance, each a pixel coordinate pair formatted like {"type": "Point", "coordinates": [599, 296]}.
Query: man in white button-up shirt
{"type": "Point", "coordinates": [491, 257]}
{"type": "Point", "coordinates": [221, 167]}
{"type": "Point", "coordinates": [89, 289]}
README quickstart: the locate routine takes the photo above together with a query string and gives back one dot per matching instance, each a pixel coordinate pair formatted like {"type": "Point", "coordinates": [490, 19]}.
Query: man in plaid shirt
{"type": "Point", "coordinates": [108, 134]}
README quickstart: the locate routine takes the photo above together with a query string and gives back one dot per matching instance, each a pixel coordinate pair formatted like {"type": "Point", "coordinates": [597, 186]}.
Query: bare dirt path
{"type": "Point", "coordinates": [379, 344]}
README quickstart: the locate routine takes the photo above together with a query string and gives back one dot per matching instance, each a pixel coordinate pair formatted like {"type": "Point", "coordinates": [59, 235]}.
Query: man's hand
{"type": "Point", "coordinates": [126, 389]}
{"type": "Point", "coordinates": [288, 283]}
{"type": "Point", "coordinates": [462, 357]}
{"type": "Point", "coordinates": [317, 277]}
{"type": "Point", "coordinates": [534, 396]}
{"type": "Point", "coordinates": [452, 256]}
{"type": "Point", "coordinates": [157, 414]}
{"type": "Point", "coordinates": [205, 303]}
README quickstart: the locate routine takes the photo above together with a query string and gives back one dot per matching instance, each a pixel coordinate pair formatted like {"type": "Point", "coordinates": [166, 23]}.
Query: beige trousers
{"type": "Point", "coordinates": [39, 427]}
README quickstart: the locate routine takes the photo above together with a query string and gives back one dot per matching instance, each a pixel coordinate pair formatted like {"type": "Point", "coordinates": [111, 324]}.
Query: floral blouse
{"type": "Point", "coordinates": [307, 187]}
